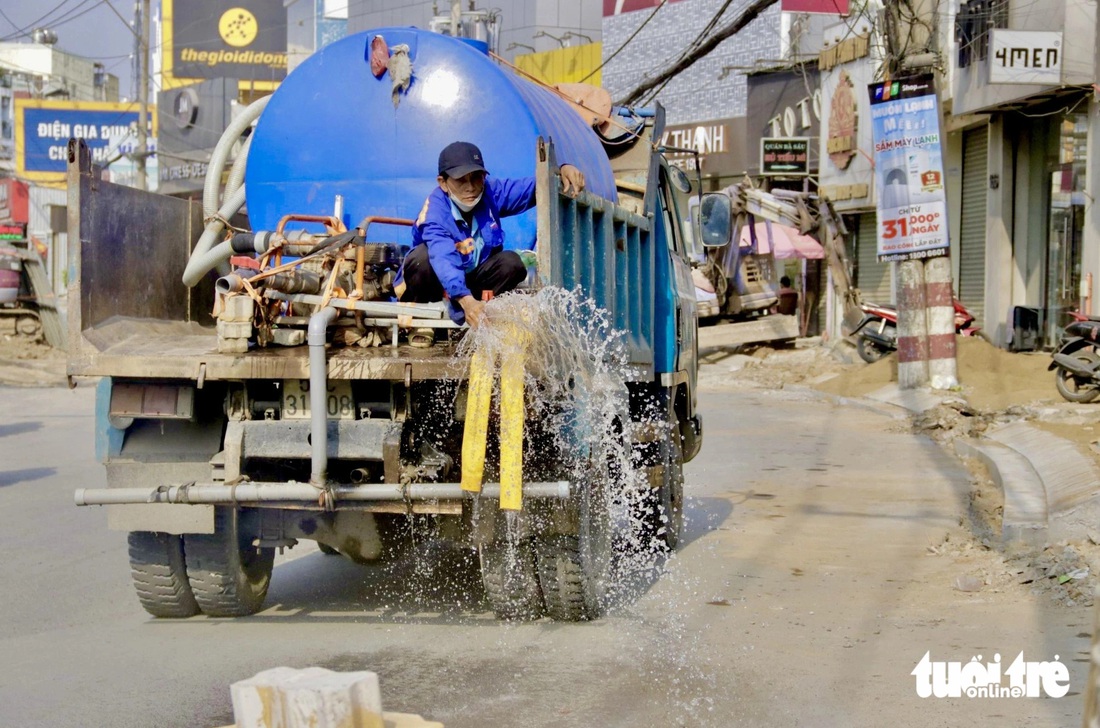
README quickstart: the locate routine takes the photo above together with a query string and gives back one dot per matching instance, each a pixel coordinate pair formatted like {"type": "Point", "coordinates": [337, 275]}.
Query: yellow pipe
{"type": "Point", "coordinates": [511, 423]}
{"type": "Point", "coordinates": [478, 397]}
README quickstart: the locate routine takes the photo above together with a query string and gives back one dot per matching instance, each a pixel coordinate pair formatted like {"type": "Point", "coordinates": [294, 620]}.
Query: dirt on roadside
{"type": "Point", "coordinates": [30, 364]}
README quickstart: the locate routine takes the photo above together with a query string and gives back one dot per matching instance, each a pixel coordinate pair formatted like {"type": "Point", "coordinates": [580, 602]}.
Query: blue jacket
{"type": "Point", "coordinates": [449, 251]}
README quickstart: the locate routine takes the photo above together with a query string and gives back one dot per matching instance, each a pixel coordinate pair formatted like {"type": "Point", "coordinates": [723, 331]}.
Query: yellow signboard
{"type": "Point", "coordinates": [564, 65]}
{"type": "Point", "coordinates": [244, 39]}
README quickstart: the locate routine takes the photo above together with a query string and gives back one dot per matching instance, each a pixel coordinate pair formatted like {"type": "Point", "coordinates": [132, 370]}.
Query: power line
{"type": "Point", "coordinates": [748, 15]}
{"type": "Point", "coordinates": [626, 42]}
{"type": "Point", "coordinates": [23, 31]}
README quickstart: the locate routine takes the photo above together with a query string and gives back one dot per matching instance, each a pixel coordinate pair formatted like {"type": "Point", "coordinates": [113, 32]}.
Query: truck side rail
{"type": "Point", "coordinates": [604, 250]}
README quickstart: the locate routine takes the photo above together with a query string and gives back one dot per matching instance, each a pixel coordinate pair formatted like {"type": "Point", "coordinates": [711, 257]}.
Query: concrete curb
{"type": "Point", "coordinates": [1051, 488]}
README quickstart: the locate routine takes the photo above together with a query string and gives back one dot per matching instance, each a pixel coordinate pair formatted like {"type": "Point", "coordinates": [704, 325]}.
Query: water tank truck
{"type": "Point", "coordinates": [256, 386]}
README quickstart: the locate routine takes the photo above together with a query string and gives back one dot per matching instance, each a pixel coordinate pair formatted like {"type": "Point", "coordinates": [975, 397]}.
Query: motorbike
{"type": "Point", "coordinates": [1076, 363]}
{"type": "Point", "coordinates": [875, 327]}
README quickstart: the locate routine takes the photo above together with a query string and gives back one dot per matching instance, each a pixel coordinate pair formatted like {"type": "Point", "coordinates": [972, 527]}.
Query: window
{"type": "Point", "coordinates": [972, 25]}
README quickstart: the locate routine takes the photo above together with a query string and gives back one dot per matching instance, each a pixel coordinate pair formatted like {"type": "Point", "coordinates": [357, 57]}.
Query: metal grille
{"type": "Point", "coordinates": [972, 223]}
{"type": "Point", "coordinates": [875, 280]}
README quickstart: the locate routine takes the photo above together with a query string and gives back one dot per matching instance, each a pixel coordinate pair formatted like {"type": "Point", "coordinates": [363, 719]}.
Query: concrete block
{"type": "Point", "coordinates": [237, 308]}
{"type": "Point", "coordinates": [313, 697]}
{"type": "Point", "coordinates": [1024, 519]}
{"type": "Point", "coordinates": [232, 346]}
{"type": "Point", "coordinates": [1070, 478]}
{"type": "Point", "coordinates": [288, 337]}
{"type": "Point", "coordinates": [234, 329]}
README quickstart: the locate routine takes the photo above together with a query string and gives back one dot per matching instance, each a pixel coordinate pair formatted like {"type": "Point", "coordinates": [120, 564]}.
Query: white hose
{"type": "Point", "coordinates": [236, 174]}
{"type": "Point", "coordinates": [199, 263]}
{"type": "Point", "coordinates": [221, 153]}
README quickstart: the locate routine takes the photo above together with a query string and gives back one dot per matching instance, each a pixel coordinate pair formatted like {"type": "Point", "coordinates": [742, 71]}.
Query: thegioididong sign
{"type": "Point", "coordinates": [244, 39]}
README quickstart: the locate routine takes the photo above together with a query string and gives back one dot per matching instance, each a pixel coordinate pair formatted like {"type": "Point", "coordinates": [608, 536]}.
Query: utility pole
{"type": "Point", "coordinates": [926, 308]}
{"type": "Point", "coordinates": [141, 8]}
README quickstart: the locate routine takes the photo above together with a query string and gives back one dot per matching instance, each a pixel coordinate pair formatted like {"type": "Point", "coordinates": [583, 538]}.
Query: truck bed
{"type": "Point", "coordinates": [126, 347]}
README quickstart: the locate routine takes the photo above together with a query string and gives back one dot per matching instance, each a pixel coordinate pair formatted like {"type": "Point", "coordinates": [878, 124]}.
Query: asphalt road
{"type": "Point", "coordinates": [806, 595]}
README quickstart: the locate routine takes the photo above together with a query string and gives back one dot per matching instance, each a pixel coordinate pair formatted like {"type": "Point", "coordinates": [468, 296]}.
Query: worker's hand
{"type": "Point", "coordinates": [572, 180]}
{"type": "Point", "coordinates": [474, 310]}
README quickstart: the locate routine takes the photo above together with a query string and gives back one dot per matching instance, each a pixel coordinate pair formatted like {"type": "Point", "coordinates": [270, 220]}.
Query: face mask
{"type": "Point", "coordinates": [463, 206]}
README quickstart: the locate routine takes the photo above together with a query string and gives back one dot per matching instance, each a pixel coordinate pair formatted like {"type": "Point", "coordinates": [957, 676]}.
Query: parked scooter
{"type": "Point", "coordinates": [1076, 364]}
{"type": "Point", "coordinates": [876, 328]}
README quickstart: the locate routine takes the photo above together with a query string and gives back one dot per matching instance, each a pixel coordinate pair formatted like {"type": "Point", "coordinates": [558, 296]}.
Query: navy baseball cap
{"type": "Point", "coordinates": [458, 159]}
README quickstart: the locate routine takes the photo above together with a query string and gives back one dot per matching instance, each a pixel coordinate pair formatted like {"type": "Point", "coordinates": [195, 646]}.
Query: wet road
{"type": "Point", "coordinates": [804, 596]}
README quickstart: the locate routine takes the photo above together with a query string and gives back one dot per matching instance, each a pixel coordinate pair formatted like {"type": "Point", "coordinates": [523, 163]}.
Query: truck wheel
{"type": "Point", "coordinates": [510, 581]}
{"type": "Point", "coordinates": [228, 575]}
{"type": "Point", "coordinates": [1074, 388]}
{"type": "Point", "coordinates": [869, 351]}
{"type": "Point", "coordinates": [160, 578]}
{"type": "Point", "coordinates": [575, 570]}
{"type": "Point", "coordinates": [659, 513]}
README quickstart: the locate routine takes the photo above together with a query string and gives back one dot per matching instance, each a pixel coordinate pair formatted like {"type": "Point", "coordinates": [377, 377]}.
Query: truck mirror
{"type": "Point", "coordinates": [679, 180]}
{"type": "Point", "coordinates": [715, 216]}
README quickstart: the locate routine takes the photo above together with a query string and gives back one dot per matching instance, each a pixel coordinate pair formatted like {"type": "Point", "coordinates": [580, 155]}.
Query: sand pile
{"type": "Point", "coordinates": [991, 379]}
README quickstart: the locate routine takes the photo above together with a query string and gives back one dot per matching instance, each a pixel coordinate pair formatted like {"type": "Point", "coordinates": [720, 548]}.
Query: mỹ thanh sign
{"type": "Point", "coordinates": [1025, 56]}
{"type": "Point", "coordinates": [786, 157]}
{"type": "Point", "coordinates": [244, 39]}
{"type": "Point", "coordinates": [912, 206]}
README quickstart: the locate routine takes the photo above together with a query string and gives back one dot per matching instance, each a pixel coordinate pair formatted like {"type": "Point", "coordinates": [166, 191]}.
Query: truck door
{"type": "Point", "coordinates": [687, 324]}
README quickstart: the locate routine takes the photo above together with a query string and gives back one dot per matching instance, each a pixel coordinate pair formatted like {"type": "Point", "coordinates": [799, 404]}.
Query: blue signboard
{"type": "Point", "coordinates": [43, 130]}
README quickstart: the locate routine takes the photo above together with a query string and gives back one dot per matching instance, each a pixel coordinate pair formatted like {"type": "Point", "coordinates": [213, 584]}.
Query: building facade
{"type": "Point", "coordinates": [40, 71]}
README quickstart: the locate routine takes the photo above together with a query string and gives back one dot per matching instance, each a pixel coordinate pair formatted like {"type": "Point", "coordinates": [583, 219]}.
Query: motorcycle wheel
{"type": "Point", "coordinates": [1074, 388]}
{"type": "Point", "coordinates": [869, 351]}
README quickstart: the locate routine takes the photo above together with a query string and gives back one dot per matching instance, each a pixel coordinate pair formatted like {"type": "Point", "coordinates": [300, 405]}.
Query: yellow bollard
{"type": "Point", "coordinates": [511, 424]}
{"type": "Point", "coordinates": [478, 398]}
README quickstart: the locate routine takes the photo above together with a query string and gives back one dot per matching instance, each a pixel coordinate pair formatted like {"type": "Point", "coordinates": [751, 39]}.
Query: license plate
{"type": "Point", "coordinates": [297, 400]}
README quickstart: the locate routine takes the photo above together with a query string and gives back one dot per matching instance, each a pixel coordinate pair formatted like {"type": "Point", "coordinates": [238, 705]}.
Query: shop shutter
{"type": "Point", "coordinates": [875, 280]}
{"type": "Point", "coordinates": [971, 285]}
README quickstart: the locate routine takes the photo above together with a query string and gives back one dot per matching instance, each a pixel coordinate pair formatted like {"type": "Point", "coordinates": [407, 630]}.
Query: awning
{"type": "Point", "coordinates": [786, 241]}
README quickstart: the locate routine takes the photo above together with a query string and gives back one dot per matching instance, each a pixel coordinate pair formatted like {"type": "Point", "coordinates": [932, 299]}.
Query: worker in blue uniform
{"type": "Point", "coordinates": [458, 243]}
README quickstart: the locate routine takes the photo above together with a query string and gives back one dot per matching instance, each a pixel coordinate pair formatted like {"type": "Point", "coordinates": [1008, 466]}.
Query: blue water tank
{"type": "Point", "coordinates": [332, 128]}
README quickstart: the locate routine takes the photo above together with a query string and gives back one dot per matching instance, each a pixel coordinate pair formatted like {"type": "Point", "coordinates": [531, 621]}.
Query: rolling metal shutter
{"type": "Point", "coordinates": [875, 280]}
{"type": "Point", "coordinates": [972, 223]}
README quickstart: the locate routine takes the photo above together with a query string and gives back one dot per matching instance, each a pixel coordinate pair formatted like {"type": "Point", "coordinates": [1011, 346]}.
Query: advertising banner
{"type": "Point", "coordinates": [245, 39]}
{"type": "Point", "coordinates": [43, 129]}
{"type": "Point", "coordinates": [912, 207]}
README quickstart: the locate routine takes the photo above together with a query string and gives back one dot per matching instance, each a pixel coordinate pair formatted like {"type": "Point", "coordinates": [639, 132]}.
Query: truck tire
{"type": "Point", "coordinates": [511, 583]}
{"type": "Point", "coordinates": [160, 576]}
{"type": "Point", "coordinates": [228, 575]}
{"type": "Point", "coordinates": [659, 512]}
{"type": "Point", "coordinates": [564, 581]}
{"type": "Point", "coordinates": [575, 570]}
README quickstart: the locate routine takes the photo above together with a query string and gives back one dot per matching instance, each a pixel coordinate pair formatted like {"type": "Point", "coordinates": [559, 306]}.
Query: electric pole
{"type": "Point", "coordinates": [141, 8]}
{"type": "Point", "coordinates": [926, 301]}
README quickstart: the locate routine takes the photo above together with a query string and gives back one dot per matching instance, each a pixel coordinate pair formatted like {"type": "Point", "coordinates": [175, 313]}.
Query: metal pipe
{"type": "Point", "coordinates": [258, 493]}
{"type": "Point", "coordinates": [317, 333]}
{"type": "Point", "coordinates": [295, 280]}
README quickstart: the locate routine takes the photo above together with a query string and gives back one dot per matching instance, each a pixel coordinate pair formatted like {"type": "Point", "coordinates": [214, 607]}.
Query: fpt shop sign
{"type": "Point", "coordinates": [43, 130]}
{"type": "Point", "coordinates": [912, 207]}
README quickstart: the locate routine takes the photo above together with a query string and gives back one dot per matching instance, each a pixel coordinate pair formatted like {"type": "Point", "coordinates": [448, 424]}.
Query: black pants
{"type": "Point", "coordinates": [501, 272]}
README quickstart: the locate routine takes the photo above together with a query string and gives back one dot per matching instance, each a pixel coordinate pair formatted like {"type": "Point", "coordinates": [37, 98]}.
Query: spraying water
{"type": "Point", "coordinates": [579, 413]}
